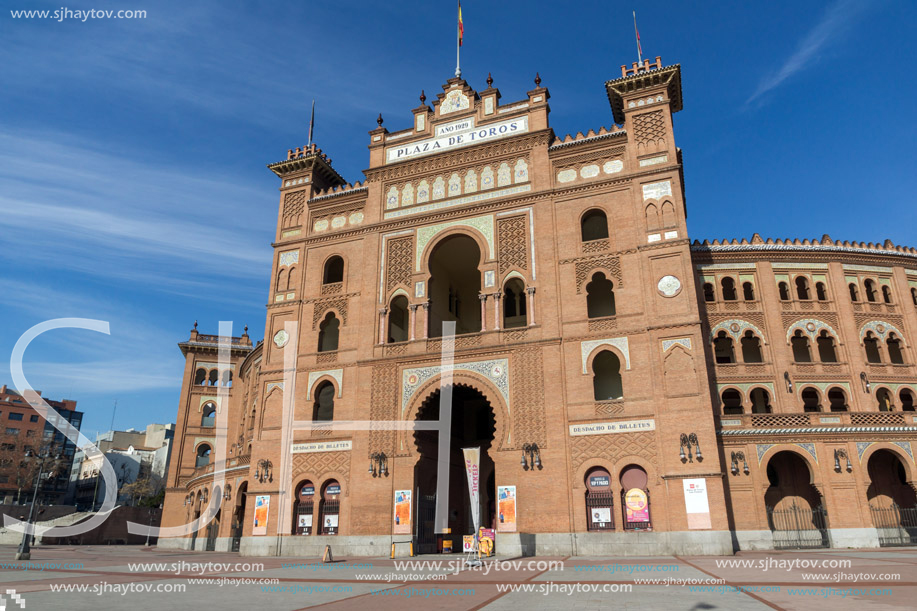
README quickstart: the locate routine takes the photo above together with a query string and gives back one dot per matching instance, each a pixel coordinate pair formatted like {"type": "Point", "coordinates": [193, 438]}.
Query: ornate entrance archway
{"type": "Point", "coordinates": [892, 502]}
{"type": "Point", "coordinates": [795, 513]}
{"type": "Point", "coordinates": [473, 424]}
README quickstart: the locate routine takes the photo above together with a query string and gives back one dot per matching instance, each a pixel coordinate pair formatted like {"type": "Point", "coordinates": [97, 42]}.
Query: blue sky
{"type": "Point", "coordinates": [132, 152]}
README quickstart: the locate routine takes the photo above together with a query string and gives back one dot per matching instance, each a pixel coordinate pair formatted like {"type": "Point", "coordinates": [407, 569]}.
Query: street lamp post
{"type": "Point", "coordinates": [24, 552]}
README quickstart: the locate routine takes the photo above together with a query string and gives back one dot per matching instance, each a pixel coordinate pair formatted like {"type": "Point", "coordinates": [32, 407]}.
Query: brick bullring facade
{"type": "Point", "coordinates": [632, 392]}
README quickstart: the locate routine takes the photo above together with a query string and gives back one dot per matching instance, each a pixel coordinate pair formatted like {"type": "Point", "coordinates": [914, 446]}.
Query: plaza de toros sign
{"type": "Point", "coordinates": [456, 135]}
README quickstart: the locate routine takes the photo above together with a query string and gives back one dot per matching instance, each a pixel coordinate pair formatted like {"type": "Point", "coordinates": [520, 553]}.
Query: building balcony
{"type": "Point", "coordinates": [815, 420]}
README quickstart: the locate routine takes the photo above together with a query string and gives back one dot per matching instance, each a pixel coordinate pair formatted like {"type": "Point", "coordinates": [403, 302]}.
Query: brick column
{"type": "Point", "coordinates": [426, 319]}
{"type": "Point", "coordinates": [383, 324]}
{"type": "Point", "coordinates": [483, 299]}
{"type": "Point", "coordinates": [530, 303]}
{"type": "Point", "coordinates": [497, 296]}
{"type": "Point", "coordinates": [412, 318]}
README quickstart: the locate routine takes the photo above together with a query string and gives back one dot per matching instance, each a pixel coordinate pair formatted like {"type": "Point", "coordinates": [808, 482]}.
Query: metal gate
{"type": "Point", "coordinates": [302, 514]}
{"type": "Point", "coordinates": [329, 513]}
{"type": "Point", "coordinates": [600, 511]}
{"type": "Point", "coordinates": [798, 527]}
{"type": "Point", "coordinates": [895, 525]}
{"type": "Point", "coordinates": [425, 542]}
{"type": "Point", "coordinates": [236, 534]}
{"type": "Point", "coordinates": [212, 530]}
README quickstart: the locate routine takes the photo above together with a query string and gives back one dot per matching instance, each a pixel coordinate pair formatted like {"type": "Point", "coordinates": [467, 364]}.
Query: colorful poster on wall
{"type": "Point", "coordinates": [331, 521]}
{"type": "Point", "coordinates": [636, 506]}
{"type": "Point", "coordinates": [402, 512]}
{"type": "Point", "coordinates": [467, 543]}
{"type": "Point", "coordinates": [486, 538]}
{"type": "Point", "coordinates": [506, 509]}
{"type": "Point", "coordinates": [305, 521]}
{"type": "Point", "coordinates": [262, 506]}
{"type": "Point", "coordinates": [696, 504]}
{"type": "Point", "coordinates": [473, 470]}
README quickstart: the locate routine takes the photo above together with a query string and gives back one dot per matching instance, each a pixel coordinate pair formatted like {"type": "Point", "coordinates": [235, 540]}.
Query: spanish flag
{"type": "Point", "coordinates": [461, 26]}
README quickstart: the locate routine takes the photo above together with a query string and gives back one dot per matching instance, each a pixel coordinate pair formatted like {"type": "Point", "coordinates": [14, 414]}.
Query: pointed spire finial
{"type": "Point", "coordinates": [490, 79]}
{"type": "Point", "coordinates": [423, 96]}
{"type": "Point", "coordinates": [379, 120]}
{"type": "Point", "coordinates": [246, 329]}
{"type": "Point", "coordinates": [537, 80]}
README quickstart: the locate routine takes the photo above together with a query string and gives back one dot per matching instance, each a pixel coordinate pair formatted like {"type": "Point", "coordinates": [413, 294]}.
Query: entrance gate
{"type": "Point", "coordinates": [895, 525]}
{"type": "Point", "coordinates": [798, 528]}
{"type": "Point", "coordinates": [425, 540]}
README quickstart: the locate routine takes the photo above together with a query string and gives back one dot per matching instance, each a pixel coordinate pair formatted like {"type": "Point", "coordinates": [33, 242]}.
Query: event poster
{"type": "Point", "coordinates": [601, 515]}
{"type": "Point", "coordinates": [506, 509]}
{"type": "Point", "coordinates": [467, 543]}
{"type": "Point", "coordinates": [305, 521]}
{"type": "Point", "coordinates": [636, 506]}
{"type": "Point", "coordinates": [473, 470]}
{"type": "Point", "coordinates": [262, 505]}
{"type": "Point", "coordinates": [696, 504]}
{"type": "Point", "coordinates": [402, 512]}
{"type": "Point", "coordinates": [486, 538]}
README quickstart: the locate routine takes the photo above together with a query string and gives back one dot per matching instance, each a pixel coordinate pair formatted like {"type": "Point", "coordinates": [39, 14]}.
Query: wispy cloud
{"type": "Point", "coordinates": [830, 28]}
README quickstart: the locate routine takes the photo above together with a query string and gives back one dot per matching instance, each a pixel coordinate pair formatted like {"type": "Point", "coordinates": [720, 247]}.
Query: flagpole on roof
{"type": "Point", "coordinates": [637, 33]}
{"type": "Point", "coordinates": [458, 42]}
{"type": "Point", "coordinates": [311, 122]}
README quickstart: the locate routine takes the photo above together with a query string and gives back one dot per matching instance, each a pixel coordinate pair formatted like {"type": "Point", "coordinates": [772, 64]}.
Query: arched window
{"type": "Point", "coordinates": [784, 290]}
{"type": "Point", "coordinates": [748, 291]}
{"type": "Point", "coordinates": [826, 350]}
{"type": "Point", "coordinates": [208, 415]}
{"type": "Point", "coordinates": [606, 376]}
{"type": "Point", "coordinates": [854, 293]}
{"type": "Point", "coordinates": [871, 343]}
{"type": "Point", "coordinates": [455, 285]}
{"type": "Point", "coordinates": [886, 294]}
{"type": "Point", "coordinates": [599, 500]}
{"type": "Point", "coordinates": [895, 355]}
{"type": "Point", "coordinates": [227, 378]}
{"type": "Point", "coordinates": [635, 498]}
{"type": "Point", "coordinates": [709, 295]}
{"type": "Point", "coordinates": [907, 400]}
{"type": "Point", "coordinates": [323, 409]}
{"type": "Point", "coordinates": [723, 349]}
{"type": "Point", "coordinates": [328, 333]}
{"type": "Point", "coordinates": [329, 508]}
{"type": "Point", "coordinates": [751, 348]}
{"type": "Point", "coordinates": [837, 398]}
{"type": "Point", "coordinates": [732, 402]}
{"type": "Point", "coordinates": [914, 295]}
{"type": "Point", "coordinates": [811, 400]}
{"type": "Point", "coordinates": [802, 288]}
{"type": "Point", "coordinates": [760, 401]}
{"type": "Point", "coordinates": [214, 378]}
{"type": "Point", "coordinates": [200, 377]}
{"type": "Point", "coordinates": [668, 215]}
{"type": "Point", "coordinates": [281, 280]}
{"type": "Point", "coordinates": [594, 226]}
{"type": "Point", "coordinates": [203, 456]}
{"type": "Point", "coordinates": [334, 270]}
{"type": "Point", "coordinates": [514, 314]}
{"type": "Point", "coordinates": [398, 320]}
{"type": "Point", "coordinates": [303, 508]}
{"type": "Point", "coordinates": [729, 289]}
{"type": "Point", "coordinates": [801, 352]}
{"type": "Point", "coordinates": [870, 286]}
{"type": "Point", "coordinates": [600, 297]}
{"type": "Point", "coordinates": [821, 292]}
{"type": "Point", "coordinates": [885, 399]}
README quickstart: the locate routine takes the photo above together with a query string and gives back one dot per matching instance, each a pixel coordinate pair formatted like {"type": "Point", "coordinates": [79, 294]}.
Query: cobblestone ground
{"type": "Point", "coordinates": [141, 579]}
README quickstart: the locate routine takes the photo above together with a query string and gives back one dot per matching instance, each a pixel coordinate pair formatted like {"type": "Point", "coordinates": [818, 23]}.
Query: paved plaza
{"type": "Point", "coordinates": [142, 579]}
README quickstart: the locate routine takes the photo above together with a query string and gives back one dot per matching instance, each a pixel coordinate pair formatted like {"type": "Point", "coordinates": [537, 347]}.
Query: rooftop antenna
{"type": "Point", "coordinates": [311, 123]}
{"type": "Point", "coordinates": [637, 32]}
{"type": "Point", "coordinates": [113, 410]}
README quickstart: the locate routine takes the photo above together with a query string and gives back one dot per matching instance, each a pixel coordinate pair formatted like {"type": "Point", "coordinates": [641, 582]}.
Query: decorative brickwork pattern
{"type": "Point", "coordinates": [601, 447]}
{"type": "Point", "coordinates": [649, 129]}
{"type": "Point", "coordinates": [323, 305]}
{"type": "Point", "coordinates": [332, 289]}
{"type": "Point", "coordinates": [609, 408]}
{"type": "Point", "coordinates": [595, 246]}
{"type": "Point", "coordinates": [528, 398]}
{"type": "Point", "coordinates": [876, 418]}
{"type": "Point", "coordinates": [603, 324]}
{"type": "Point", "coordinates": [293, 206]}
{"type": "Point", "coordinates": [586, 266]}
{"type": "Point", "coordinates": [320, 464]}
{"type": "Point", "coordinates": [398, 261]}
{"type": "Point", "coordinates": [383, 406]}
{"type": "Point", "coordinates": [512, 245]}
{"type": "Point", "coordinates": [780, 420]}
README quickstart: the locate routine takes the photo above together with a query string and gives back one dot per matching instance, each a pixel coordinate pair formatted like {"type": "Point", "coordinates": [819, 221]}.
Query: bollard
{"type": "Point", "coordinates": [393, 551]}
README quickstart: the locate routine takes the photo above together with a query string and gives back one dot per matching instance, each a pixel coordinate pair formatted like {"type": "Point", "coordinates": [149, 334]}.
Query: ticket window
{"type": "Point", "coordinates": [303, 511]}
{"type": "Point", "coordinates": [330, 508]}
{"type": "Point", "coordinates": [599, 500]}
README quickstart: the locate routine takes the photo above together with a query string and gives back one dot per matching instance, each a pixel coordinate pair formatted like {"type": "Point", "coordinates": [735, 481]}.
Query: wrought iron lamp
{"type": "Point", "coordinates": [531, 456]}
{"type": "Point", "coordinates": [838, 455]}
{"type": "Point", "coordinates": [265, 471]}
{"type": "Point", "coordinates": [789, 382]}
{"type": "Point", "coordinates": [736, 457]}
{"type": "Point", "coordinates": [865, 380]}
{"type": "Point", "coordinates": [378, 464]}
{"type": "Point", "coordinates": [685, 442]}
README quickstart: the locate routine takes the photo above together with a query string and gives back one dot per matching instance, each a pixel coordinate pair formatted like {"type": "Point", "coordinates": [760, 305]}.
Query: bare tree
{"type": "Point", "coordinates": [139, 489]}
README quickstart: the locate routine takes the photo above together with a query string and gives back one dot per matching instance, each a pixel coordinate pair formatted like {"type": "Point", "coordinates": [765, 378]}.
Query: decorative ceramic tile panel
{"type": "Point", "coordinates": [879, 328]}
{"type": "Point", "coordinates": [589, 171]}
{"type": "Point", "coordinates": [613, 167]}
{"type": "Point", "coordinates": [454, 101]}
{"type": "Point", "coordinates": [657, 189]}
{"type": "Point", "coordinates": [810, 327]}
{"type": "Point", "coordinates": [484, 224]}
{"type": "Point", "coordinates": [566, 176]}
{"type": "Point", "coordinates": [336, 374]}
{"type": "Point", "coordinates": [495, 370]}
{"type": "Point", "coordinates": [736, 328]}
{"type": "Point", "coordinates": [620, 343]}
{"type": "Point", "coordinates": [289, 257]}
{"type": "Point", "coordinates": [685, 342]}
